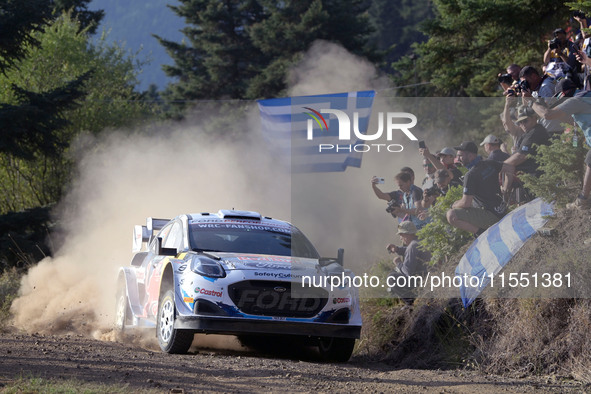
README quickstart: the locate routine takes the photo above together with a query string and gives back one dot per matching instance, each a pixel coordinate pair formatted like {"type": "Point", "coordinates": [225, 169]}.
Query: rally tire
{"type": "Point", "coordinates": [170, 339]}
{"type": "Point", "coordinates": [122, 310]}
{"type": "Point", "coordinates": [336, 349]}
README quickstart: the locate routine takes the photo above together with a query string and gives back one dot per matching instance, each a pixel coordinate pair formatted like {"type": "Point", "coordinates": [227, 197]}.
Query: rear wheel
{"type": "Point", "coordinates": [171, 340]}
{"type": "Point", "coordinates": [336, 349]}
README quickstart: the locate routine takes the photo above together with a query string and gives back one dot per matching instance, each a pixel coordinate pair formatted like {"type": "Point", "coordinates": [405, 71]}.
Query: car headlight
{"type": "Point", "coordinates": [207, 267]}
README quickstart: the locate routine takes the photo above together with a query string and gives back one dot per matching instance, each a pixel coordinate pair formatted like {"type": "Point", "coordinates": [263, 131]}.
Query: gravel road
{"type": "Point", "coordinates": [140, 366]}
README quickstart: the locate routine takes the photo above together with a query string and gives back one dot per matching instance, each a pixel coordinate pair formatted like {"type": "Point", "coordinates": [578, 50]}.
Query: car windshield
{"type": "Point", "coordinates": [250, 238]}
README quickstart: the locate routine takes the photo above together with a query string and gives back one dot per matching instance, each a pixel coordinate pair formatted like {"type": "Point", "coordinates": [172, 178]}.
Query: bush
{"type": "Point", "coordinates": [9, 285]}
{"type": "Point", "coordinates": [439, 237]}
{"type": "Point", "coordinates": [563, 167]}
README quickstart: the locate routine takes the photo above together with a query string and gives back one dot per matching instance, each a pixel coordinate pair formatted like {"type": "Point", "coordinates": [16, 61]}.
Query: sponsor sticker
{"type": "Point", "coordinates": [202, 291]}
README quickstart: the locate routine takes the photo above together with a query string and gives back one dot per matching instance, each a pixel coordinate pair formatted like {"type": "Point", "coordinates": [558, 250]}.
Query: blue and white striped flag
{"type": "Point", "coordinates": [286, 123]}
{"type": "Point", "coordinates": [497, 245]}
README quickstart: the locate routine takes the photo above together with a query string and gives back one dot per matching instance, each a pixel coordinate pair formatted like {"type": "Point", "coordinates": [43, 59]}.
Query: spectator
{"type": "Point", "coordinates": [410, 207]}
{"type": "Point", "coordinates": [429, 174]}
{"type": "Point", "coordinates": [513, 70]}
{"type": "Point", "coordinates": [560, 58]}
{"type": "Point", "coordinates": [447, 157]}
{"type": "Point", "coordinates": [412, 260]}
{"type": "Point", "coordinates": [536, 85]}
{"type": "Point", "coordinates": [579, 107]}
{"type": "Point", "coordinates": [444, 159]}
{"type": "Point", "coordinates": [541, 87]}
{"type": "Point", "coordinates": [523, 159]}
{"type": "Point", "coordinates": [492, 146]}
{"type": "Point", "coordinates": [396, 195]}
{"type": "Point", "coordinates": [445, 180]}
{"type": "Point", "coordinates": [433, 159]}
{"type": "Point", "coordinates": [481, 204]}
{"type": "Point", "coordinates": [394, 198]}
{"type": "Point", "coordinates": [585, 47]}
{"type": "Point", "coordinates": [507, 117]}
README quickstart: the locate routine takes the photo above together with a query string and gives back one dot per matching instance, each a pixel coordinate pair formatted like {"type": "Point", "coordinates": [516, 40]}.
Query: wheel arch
{"type": "Point", "coordinates": [126, 277]}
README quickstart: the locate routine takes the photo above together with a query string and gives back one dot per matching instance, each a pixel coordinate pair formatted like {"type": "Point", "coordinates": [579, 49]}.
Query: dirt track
{"type": "Point", "coordinates": [89, 360]}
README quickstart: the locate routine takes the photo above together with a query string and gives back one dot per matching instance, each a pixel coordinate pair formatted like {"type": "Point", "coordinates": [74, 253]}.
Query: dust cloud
{"type": "Point", "coordinates": [124, 177]}
{"type": "Point", "coordinates": [122, 180]}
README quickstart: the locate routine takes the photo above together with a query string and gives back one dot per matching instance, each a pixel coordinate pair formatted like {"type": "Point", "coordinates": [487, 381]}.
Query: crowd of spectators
{"type": "Point", "coordinates": [537, 105]}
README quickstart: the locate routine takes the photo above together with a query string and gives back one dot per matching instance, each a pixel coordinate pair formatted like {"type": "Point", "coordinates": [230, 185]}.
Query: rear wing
{"type": "Point", "coordinates": [145, 233]}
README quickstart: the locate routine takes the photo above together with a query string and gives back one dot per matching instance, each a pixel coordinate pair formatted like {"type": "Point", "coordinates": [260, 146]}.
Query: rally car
{"type": "Point", "coordinates": [239, 273]}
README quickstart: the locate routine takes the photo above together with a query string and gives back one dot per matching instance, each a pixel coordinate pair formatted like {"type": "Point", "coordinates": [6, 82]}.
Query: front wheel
{"type": "Point", "coordinates": [336, 349]}
{"type": "Point", "coordinates": [170, 339]}
{"type": "Point", "coordinates": [122, 311]}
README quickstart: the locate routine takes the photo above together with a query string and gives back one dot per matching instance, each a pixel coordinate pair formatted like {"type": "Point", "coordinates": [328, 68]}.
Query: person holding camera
{"type": "Point", "coordinates": [405, 197]}
{"type": "Point", "coordinates": [412, 260]}
{"type": "Point", "coordinates": [560, 58]}
{"type": "Point", "coordinates": [535, 87]}
{"type": "Point", "coordinates": [481, 204]}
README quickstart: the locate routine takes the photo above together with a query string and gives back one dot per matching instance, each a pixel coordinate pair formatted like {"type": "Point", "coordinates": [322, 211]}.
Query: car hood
{"type": "Point", "coordinates": [241, 261]}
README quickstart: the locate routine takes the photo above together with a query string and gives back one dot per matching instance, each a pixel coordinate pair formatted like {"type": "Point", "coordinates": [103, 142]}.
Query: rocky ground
{"type": "Point", "coordinates": [140, 366]}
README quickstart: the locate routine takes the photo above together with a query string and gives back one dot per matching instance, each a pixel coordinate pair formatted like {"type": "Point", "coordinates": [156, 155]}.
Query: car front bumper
{"type": "Point", "coordinates": [237, 326]}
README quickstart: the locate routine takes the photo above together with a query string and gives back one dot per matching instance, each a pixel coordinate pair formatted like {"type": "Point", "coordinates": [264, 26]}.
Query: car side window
{"type": "Point", "coordinates": [175, 237]}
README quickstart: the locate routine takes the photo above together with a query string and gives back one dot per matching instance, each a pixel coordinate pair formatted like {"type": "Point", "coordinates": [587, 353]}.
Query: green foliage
{"type": "Point", "coordinates": [18, 20]}
{"type": "Point", "coordinates": [9, 285]}
{"type": "Point", "coordinates": [439, 237]}
{"type": "Point", "coordinates": [563, 168]}
{"type": "Point", "coordinates": [470, 42]}
{"type": "Point", "coordinates": [31, 384]}
{"type": "Point", "coordinates": [244, 48]}
{"type": "Point", "coordinates": [397, 26]}
{"type": "Point", "coordinates": [35, 166]}
{"type": "Point", "coordinates": [89, 20]}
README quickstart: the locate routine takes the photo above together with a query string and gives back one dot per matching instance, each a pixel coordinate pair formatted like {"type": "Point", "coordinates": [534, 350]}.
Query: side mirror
{"type": "Point", "coordinates": [325, 261]}
{"type": "Point", "coordinates": [160, 251]}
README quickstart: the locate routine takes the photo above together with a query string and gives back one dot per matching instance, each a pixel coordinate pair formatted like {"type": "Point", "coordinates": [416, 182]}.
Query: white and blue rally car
{"type": "Point", "coordinates": [235, 272]}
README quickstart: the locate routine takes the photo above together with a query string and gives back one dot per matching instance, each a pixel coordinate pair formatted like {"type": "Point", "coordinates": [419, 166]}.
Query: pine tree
{"type": "Point", "coordinates": [471, 41]}
{"type": "Point", "coordinates": [397, 26]}
{"type": "Point", "coordinates": [18, 20]}
{"type": "Point", "coordinates": [78, 9]}
{"type": "Point", "coordinates": [242, 49]}
{"type": "Point", "coordinates": [293, 25]}
{"type": "Point", "coordinates": [219, 57]}
{"type": "Point", "coordinates": [28, 125]}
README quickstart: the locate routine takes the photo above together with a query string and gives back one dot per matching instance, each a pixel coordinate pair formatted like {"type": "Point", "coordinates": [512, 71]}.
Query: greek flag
{"type": "Point", "coordinates": [497, 245]}
{"type": "Point", "coordinates": [298, 128]}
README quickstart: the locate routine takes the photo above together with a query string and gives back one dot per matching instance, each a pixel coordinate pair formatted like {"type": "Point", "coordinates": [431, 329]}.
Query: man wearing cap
{"type": "Point", "coordinates": [579, 107]}
{"type": "Point", "coordinates": [481, 204]}
{"type": "Point", "coordinates": [492, 146]}
{"type": "Point", "coordinates": [523, 159]}
{"type": "Point", "coordinates": [412, 260]}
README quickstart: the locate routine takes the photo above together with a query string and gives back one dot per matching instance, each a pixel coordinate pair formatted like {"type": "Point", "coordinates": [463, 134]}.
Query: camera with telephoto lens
{"type": "Point", "coordinates": [579, 14]}
{"type": "Point", "coordinates": [555, 43]}
{"type": "Point", "coordinates": [392, 204]}
{"type": "Point", "coordinates": [506, 79]}
{"type": "Point", "coordinates": [433, 191]}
